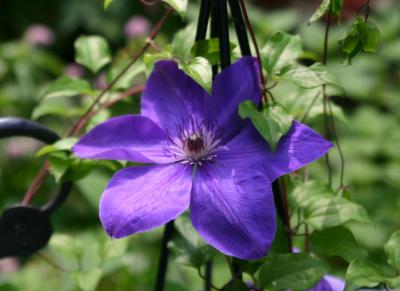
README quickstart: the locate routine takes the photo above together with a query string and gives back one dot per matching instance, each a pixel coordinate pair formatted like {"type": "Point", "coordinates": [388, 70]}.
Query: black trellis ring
{"type": "Point", "coordinates": [25, 229]}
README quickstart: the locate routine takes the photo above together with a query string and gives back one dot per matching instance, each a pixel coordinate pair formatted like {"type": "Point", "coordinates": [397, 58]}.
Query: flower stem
{"type": "Point", "coordinates": [164, 255]}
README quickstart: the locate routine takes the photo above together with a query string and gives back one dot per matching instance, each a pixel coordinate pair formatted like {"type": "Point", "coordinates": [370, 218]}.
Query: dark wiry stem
{"type": "Point", "coordinates": [164, 255]}
{"type": "Point", "coordinates": [324, 95]}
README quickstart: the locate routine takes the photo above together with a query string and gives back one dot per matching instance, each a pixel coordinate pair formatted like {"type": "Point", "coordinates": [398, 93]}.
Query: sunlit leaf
{"type": "Point", "coordinates": [272, 122]}
{"type": "Point", "coordinates": [200, 70]}
{"type": "Point", "coordinates": [64, 144]}
{"type": "Point", "coordinates": [309, 77]}
{"type": "Point", "coordinates": [92, 52]}
{"type": "Point", "coordinates": [107, 3]}
{"type": "Point", "coordinates": [280, 49]}
{"type": "Point", "coordinates": [392, 249]}
{"type": "Point", "coordinates": [322, 209]}
{"type": "Point", "coordinates": [364, 273]}
{"type": "Point", "coordinates": [88, 281]}
{"type": "Point", "coordinates": [321, 10]}
{"type": "Point", "coordinates": [291, 271]}
{"type": "Point", "coordinates": [68, 87]}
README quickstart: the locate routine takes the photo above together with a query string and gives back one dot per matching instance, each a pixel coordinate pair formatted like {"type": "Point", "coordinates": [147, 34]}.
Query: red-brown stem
{"type": "Point", "coordinates": [264, 97]}
{"type": "Point", "coordinates": [42, 174]}
{"type": "Point", "coordinates": [83, 120]}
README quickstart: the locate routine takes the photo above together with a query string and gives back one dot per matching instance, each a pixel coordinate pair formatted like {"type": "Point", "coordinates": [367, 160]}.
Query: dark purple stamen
{"type": "Point", "coordinates": [195, 144]}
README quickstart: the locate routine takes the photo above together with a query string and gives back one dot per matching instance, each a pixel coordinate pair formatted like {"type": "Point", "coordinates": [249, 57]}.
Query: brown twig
{"type": "Point", "coordinates": [83, 120]}
{"type": "Point", "coordinates": [42, 174]}
{"type": "Point", "coordinates": [264, 97]}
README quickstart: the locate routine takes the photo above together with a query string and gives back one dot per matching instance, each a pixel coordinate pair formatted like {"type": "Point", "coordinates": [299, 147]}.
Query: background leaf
{"type": "Point", "coordinates": [92, 52]}
{"type": "Point", "coordinates": [392, 249]}
{"type": "Point", "coordinates": [291, 271]}
{"type": "Point", "coordinates": [280, 49]}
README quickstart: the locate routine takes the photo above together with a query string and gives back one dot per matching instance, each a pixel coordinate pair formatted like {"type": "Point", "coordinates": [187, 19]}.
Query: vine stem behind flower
{"type": "Point", "coordinates": [264, 97]}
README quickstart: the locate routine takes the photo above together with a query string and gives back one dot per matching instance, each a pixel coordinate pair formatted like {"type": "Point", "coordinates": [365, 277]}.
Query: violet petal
{"type": "Point", "coordinates": [127, 137]}
{"type": "Point", "coordinates": [138, 199]}
{"type": "Point", "coordinates": [171, 98]}
{"type": "Point", "coordinates": [235, 84]}
{"type": "Point", "coordinates": [233, 209]}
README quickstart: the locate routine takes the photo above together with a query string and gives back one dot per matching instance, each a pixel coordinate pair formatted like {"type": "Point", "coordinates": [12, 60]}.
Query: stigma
{"type": "Point", "coordinates": [194, 143]}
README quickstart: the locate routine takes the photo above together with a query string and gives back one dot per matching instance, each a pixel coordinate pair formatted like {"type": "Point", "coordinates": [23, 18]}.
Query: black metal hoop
{"type": "Point", "coordinates": [27, 229]}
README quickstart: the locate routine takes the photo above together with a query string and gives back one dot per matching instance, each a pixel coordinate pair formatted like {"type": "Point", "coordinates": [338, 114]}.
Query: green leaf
{"type": "Point", "coordinates": [180, 6]}
{"type": "Point", "coordinates": [332, 211]}
{"type": "Point", "coordinates": [58, 166]}
{"type": "Point", "coordinates": [322, 209]}
{"type": "Point", "coordinates": [57, 106]}
{"type": "Point", "coordinates": [291, 271]}
{"type": "Point", "coordinates": [65, 251]}
{"type": "Point", "coordinates": [321, 10]}
{"type": "Point", "coordinates": [150, 59]}
{"type": "Point", "coordinates": [280, 49]}
{"type": "Point", "coordinates": [208, 49]}
{"type": "Point", "coordinates": [92, 52]}
{"type": "Point", "coordinates": [337, 241]}
{"type": "Point", "coordinates": [107, 3]}
{"type": "Point", "coordinates": [64, 144]}
{"type": "Point", "coordinates": [68, 87]}
{"type": "Point", "coordinates": [88, 281]}
{"type": "Point", "coordinates": [370, 35]}
{"type": "Point", "coordinates": [363, 273]}
{"type": "Point", "coordinates": [392, 249]}
{"type": "Point", "coordinates": [200, 70]}
{"type": "Point", "coordinates": [362, 35]}
{"type": "Point", "coordinates": [272, 122]}
{"type": "Point", "coordinates": [309, 77]}
{"type": "Point", "coordinates": [181, 45]}
{"type": "Point", "coordinates": [187, 246]}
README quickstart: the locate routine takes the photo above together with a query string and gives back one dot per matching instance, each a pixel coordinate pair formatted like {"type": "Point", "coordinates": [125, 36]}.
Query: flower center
{"type": "Point", "coordinates": [194, 143]}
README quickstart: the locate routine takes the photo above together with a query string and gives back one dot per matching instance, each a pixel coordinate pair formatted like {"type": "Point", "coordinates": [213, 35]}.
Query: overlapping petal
{"type": "Point", "coordinates": [171, 98]}
{"type": "Point", "coordinates": [128, 137]}
{"type": "Point", "coordinates": [299, 147]}
{"type": "Point", "coordinates": [233, 209]}
{"type": "Point", "coordinates": [141, 198]}
{"type": "Point", "coordinates": [235, 84]}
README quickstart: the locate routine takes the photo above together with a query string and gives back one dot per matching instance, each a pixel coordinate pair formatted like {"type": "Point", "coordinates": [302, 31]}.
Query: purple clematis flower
{"type": "Point", "coordinates": [201, 156]}
{"type": "Point", "coordinates": [329, 283]}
